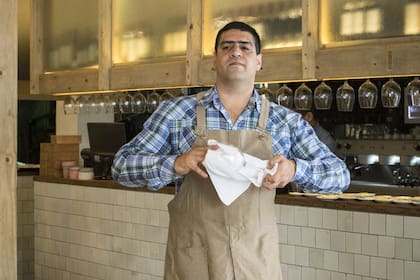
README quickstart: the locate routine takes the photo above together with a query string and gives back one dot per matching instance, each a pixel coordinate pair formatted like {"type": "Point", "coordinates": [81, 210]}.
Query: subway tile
{"type": "Point", "coordinates": [308, 273]}
{"type": "Point", "coordinates": [412, 227]}
{"type": "Point", "coordinates": [338, 241]}
{"type": "Point", "coordinates": [287, 253]}
{"type": "Point", "coordinates": [394, 225]}
{"type": "Point", "coordinates": [416, 250]}
{"type": "Point", "coordinates": [369, 278]}
{"type": "Point", "coordinates": [361, 222]}
{"type": "Point", "coordinates": [386, 246]}
{"type": "Point", "coordinates": [301, 216]}
{"type": "Point", "coordinates": [337, 276]}
{"type": "Point", "coordinates": [282, 232]}
{"type": "Point", "coordinates": [395, 269]}
{"type": "Point", "coordinates": [323, 274]}
{"type": "Point", "coordinates": [378, 267]}
{"type": "Point", "coordinates": [294, 272]}
{"type": "Point", "coordinates": [284, 269]}
{"type": "Point", "coordinates": [377, 223]}
{"type": "Point", "coordinates": [302, 256]}
{"type": "Point", "coordinates": [294, 235]}
{"type": "Point", "coordinates": [369, 245]}
{"type": "Point", "coordinates": [411, 270]}
{"type": "Point", "coordinates": [329, 219]}
{"type": "Point", "coordinates": [308, 237]}
{"type": "Point", "coordinates": [404, 249]}
{"type": "Point", "coordinates": [353, 242]}
{"type": "Point", "coordinates": [361, 265]}
{"type": "Point", "coordinates": [345, 221]}
{"type": "Point", "coordinates": [315, 217]}
{"type": "Point", "coordinates": [323, 239]}
{"type": "Point", "coordinates": [345, 262]}
{"type": "Point", "coordinates": [331, 260]}
{"type": "Point", "coordinates": [316, 258]}
{"type": "Point", "coordinates": [287, 215]}
{"type": "Point", "coordinates": [353, 277]}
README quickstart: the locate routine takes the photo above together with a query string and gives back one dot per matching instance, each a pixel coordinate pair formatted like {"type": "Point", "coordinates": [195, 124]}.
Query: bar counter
{"type": "Point", "coordinates": [350, 205]}
{"type": "Point", "coordinates": [102, 230]}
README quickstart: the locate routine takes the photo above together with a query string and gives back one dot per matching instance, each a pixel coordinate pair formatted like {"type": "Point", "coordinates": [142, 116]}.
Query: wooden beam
{"type": "Point", "coordinates": [36, 46]}
{"type": "Point", "coordinates": [8, 138]}
{"type": "Point", "coordinates": [105, 44]}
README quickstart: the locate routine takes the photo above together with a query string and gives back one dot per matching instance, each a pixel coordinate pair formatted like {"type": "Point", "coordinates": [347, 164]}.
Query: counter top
{"type": "Point", "coordinates": [350, 205]}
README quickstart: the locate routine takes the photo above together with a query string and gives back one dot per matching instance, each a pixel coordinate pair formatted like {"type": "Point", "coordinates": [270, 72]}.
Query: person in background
{"type": "Point", "coordinates": [321, 132]}
{"type": "Point", "coordinates": [206, 238]}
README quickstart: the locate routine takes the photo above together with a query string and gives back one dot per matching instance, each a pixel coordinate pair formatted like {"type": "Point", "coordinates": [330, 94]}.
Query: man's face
{"type": "Point", "coordinates": [236, 57]}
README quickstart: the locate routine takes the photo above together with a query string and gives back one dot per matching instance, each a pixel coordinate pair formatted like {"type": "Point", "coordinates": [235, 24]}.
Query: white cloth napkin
{"type": "Point", "coordinates": [232, 171]}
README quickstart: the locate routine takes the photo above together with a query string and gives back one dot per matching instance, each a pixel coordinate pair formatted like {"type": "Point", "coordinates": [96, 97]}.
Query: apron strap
{"type": "Point", "coordinates": [265, 110]}
{"type": "Point", "coordinates": [201, 116]}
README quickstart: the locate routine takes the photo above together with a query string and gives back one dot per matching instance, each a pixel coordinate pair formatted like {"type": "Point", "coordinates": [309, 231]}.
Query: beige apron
{"type": "Point", "coordinates": [209, 240]}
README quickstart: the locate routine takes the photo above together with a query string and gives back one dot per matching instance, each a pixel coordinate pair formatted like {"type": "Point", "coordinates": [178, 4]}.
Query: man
{"type": "Point", "coordinates": [207, 239]}
{"type": "Point", "coordinates": [321, 132]}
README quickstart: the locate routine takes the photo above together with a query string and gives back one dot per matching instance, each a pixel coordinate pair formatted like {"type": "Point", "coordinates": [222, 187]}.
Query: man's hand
{"type": "Point", "coordinates": [286, 169]}
{"type": "Point", "coordinates": [192, 161]}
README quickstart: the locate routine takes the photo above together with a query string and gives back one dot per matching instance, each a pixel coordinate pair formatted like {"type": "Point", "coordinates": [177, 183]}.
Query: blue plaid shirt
{"type": "Point", "coordinates": [148, 159]}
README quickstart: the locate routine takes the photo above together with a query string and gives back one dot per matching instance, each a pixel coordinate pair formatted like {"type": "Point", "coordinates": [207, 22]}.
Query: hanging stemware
{"type": "Point", "coordinates": [284, 96]}
{"type": "Point", "coordinates": [367, 95]}
{"type": "Point", "coordinates": [390, 94]}
{"type": "Point", "coordinates": [323, 96]}
{"type": "Point", "coordinates": [303, 97]}
{"type": "Point", "coordinates": [69, 105]}
{"type": "Point", "coordinates": [152, 101]}
{"type": "Point", "coordinates": [345, 97]}
{"type": "Point", "coordinates": [139, 103]}
{"type": "Point", "coordinates": [264, 90]}
{"type": "Point", "coordinates": [124, 102]}
{"type": "Point", "coordinates": [166, 95]}
{"type": "Point", "coordinates": [413, 92]}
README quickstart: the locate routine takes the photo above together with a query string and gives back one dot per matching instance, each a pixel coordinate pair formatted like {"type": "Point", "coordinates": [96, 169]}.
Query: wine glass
{"type": "Point", "coordinates": [83, 101]}
{"type": "Point", "coordinates": [152, 101]}
{"type": "Point", "coordinates": [345, 97]}
{"type": "Point", "coordinates": [102, 103]}
{"type": "Point", "coordinates": [303, 97]}
{"type": "Point", "coordinates": [93, 103]}
{"type": "Point", "coordinates": [124, 102]}
{"type": "Point", "coordinates": [166, 96]}
{"type": "Point", "coordinates": [139, 103]}
{"type": "Point", "coordinates": [368, 95]}
{"type": "Point", "coordinates": [264, 90]}
{"type": "Point", "coordinates": [413, 92]}
{"type": "Point", "coordinates": [69, 105]}
{"type": "Point", "coordinates": [284, 96]}
{"type": "Point", "coordinates": [390, 94]}
{"type": "Point", "coordinates": [323, 96]}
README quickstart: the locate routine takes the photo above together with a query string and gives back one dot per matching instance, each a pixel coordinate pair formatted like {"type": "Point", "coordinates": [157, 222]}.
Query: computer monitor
{"type": "Point", "coordinates": [106, 138]}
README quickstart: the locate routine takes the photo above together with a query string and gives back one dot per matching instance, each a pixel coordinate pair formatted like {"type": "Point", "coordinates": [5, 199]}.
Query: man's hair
{"type": "Point", "coordinates": [243, 27]}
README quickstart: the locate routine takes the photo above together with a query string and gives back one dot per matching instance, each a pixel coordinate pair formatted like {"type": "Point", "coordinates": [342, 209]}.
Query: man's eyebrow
{"type": "Point", "coordinates": [239, 42]}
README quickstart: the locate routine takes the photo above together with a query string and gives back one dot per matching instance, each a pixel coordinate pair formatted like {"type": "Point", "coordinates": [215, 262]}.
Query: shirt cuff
{"type": "Point", "coordinates": [301, 167]}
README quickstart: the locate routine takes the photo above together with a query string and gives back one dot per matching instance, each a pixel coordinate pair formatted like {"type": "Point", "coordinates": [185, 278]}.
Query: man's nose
{"type": "Point", "coordinates": [236, 50]}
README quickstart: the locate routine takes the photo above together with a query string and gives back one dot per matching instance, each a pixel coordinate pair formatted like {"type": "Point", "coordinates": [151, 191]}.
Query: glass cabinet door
{"type": "Point", "coordinates": [148, 30]}
{"type": "Point", "coordinates": [279, 22]}
{"type": "Point", "coordinates": [70, 34]}
{"type": "Point", "coordinates": [344, 20]}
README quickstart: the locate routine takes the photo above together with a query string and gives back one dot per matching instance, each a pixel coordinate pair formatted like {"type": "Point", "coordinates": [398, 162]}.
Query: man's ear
{"type": "Point", "coordinates": [259, 62]}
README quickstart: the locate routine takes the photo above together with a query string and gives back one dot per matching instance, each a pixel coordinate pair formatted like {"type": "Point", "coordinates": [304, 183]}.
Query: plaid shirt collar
{"type": "Point", "coordinates": [211, 97]}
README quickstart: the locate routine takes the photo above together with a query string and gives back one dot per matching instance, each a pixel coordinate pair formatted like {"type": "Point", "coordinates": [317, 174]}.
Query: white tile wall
{"type": "Point", "coordinates": [25, 227]}
{"type": "Point", "coordinates": [352, 245]}
{"type": "Point", "coordinates": [93, 233]}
